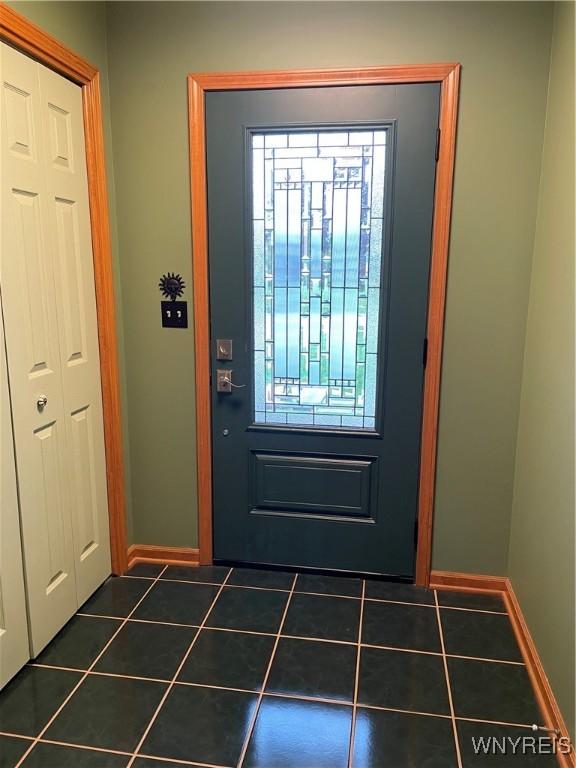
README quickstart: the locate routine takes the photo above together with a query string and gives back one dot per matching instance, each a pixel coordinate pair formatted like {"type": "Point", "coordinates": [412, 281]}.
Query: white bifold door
{"type": "Point", "coordinates": [14, 650]}
{"type": "Point", "coordinates": [50, 322]}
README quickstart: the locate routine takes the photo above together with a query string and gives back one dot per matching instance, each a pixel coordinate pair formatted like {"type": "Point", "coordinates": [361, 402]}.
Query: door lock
{"type": "Point", "coordinates": [224, 381]}
{"type": "Point", "coordinates": [223, 349]}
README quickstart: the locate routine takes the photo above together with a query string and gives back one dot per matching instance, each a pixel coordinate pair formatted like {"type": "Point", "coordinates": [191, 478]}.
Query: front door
{"type": "Point", "coordinates": [320, 204]}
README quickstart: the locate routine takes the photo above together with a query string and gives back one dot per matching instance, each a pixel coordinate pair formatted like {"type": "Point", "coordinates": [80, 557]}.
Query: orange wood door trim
{"type": "Point", "coordinates": [149, 553]}
{"type": "Point", "coordinates": [30, 39]}
{"type": "Point", "coordinates": [448, 75]}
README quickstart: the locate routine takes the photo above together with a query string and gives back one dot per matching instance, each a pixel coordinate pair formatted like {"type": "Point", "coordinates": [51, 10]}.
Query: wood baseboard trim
{"type": "Point", "coordinates": [545, 696]}
{"type": "Point", "coordinates": [149, 553]}
{"type": "Point", "coordinates": [471, 582]}
{"type": "Point", "coordinates": [467, 582]}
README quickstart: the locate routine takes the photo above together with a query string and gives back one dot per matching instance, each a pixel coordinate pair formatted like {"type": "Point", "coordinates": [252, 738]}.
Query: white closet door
{"type": "Point", "coordinates": [65, 152]}
{"type": "Point", "coordinates": [14, 647]}
{"type": "Point", "coordinates": [29, 300]}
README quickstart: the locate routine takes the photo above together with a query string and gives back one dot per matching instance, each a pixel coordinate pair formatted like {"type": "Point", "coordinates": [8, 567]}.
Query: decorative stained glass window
{"type": "Point", "coordinates": [318, 213]}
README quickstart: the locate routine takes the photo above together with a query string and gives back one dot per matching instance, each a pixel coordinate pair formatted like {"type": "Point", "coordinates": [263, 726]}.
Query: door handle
{"type": "Point", "coordinates": [224, 381]}
{"type": "Point", "coordinates": [42, 402]}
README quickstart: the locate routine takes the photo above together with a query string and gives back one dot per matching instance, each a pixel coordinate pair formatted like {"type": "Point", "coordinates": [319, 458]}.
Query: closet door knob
{"type": "Point", "coordinates": [42, 402]}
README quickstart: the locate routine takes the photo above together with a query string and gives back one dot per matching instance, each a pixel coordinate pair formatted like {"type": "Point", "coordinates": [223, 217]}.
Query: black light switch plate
{"type": "Point", "coordinates": [174, 314]}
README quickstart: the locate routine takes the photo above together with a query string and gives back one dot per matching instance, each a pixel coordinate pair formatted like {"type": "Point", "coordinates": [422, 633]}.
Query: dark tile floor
{"type": "Point", "coordinates": [263, 669]}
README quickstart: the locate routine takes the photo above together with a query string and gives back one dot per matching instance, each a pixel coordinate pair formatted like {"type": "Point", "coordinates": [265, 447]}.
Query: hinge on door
{"type": "Point", "coordinates": [437, 144]}
{"type": "Point", "coordinates": [425, 353]}
{"type": "Point", "coordinates": [416, 533]}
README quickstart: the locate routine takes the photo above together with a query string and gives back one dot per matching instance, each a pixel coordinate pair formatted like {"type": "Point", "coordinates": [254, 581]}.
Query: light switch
{"type": "Point", "coordinates": [174, 314]}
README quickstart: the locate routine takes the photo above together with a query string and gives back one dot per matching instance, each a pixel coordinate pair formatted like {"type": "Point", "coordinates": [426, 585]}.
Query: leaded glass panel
{"type": "Point", "coordinates": [317, 223]}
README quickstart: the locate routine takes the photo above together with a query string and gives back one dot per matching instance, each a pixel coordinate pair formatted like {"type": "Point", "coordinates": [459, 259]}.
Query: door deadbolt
{"type": "Point", "coordinates": [223, 349]}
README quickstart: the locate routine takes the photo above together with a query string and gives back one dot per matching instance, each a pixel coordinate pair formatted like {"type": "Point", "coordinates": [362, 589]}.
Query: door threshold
{"type": "Point", "coordinates": [317, 571]}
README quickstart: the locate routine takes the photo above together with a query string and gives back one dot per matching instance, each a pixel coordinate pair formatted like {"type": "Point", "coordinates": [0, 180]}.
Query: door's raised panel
{"type": "Point", "coordinates": [32, 283]}
{"type": "Point", "coordinates": [84, 492]}
{"type": "Point", "coordinates": [329, 486]}
{"type": "Point", "coordinates": [19, 128]}
{"type": "Point", "coordinates": [51, 509]}
{"type": "Point", "coordinates": [60, 138]}
{"type": "Point", "coordinates": [89, 499]}
{"type": "Point", "coordinates": [70, 282]}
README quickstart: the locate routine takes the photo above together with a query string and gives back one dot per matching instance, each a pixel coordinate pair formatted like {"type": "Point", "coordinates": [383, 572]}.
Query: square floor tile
{"type": "Point", "coordinates": [55, 756]}
{"type": "Point", "coordinates": [146, 570]}
{"type": "Point", "coordinates": [403, 593]}
{"type": "Point", "coordinates": [80, 642]}
{"type": "Point", "coordinates": [249, 609]}
{"type": "Point", "coordinates": [117, 597]}
{"type": "Point", "coordinates": [299, 734]}
{"type": "Point", "coordinates": [478, 752]}
{"type": "Point", "coordinates": [403, 680]}
{"type": "Point", "coordinates": [330, 618]}
{"type": "Point", "coordinates": [147, 650]}
{"type": "Point", "coordinates": [209, 574]}
{"type": "Point", "coordinates": [228, 659]}
{"type": "Point", "coordinates": [107, 712]}
{"type": "Point", "coordinates": [328, 585]}
{"type": "Point", "coordinates": [205, 725]}
{"type": "Point", "coordinates": [413, 627]}
{"type": "Point", "coordinates": [11, 750]}
{"type": "Point", "coordinates": [485, 635]}
{"type": "Point", "coordinates": [398, 740]}
{"type": "Point", "coordinates": [481, 601]}
{"type": "Point", "coordinates": [32, 697]}
{"type": "Point", "coordinates": [313, 668]}
{"type": "Point", "coordinates": [254, 577]}
{"type": "Point", "coordinates": [177, 603]}
{"type": "Point", "coordinates": [492, 691]}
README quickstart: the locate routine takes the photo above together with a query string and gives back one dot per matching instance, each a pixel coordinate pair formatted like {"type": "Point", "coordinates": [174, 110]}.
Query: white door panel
{"type": "Point", "coordinates": [29, 302]}
{"type": "Point", "coordinates": [47, 279]}
{"type": "Point", "coordinates": [67, 183]}
{"type": "Point", "coordinates": [14, 647]}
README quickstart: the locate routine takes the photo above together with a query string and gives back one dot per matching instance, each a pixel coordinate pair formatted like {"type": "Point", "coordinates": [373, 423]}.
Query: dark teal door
{"type": "Point", "coordinates": [320, 205]}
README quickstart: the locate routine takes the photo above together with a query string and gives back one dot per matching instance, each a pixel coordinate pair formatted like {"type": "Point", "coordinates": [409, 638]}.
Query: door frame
{"type": "Point", "coordinates": [33, 41]}
{"type": "Point", "coordinates": [448, 75]}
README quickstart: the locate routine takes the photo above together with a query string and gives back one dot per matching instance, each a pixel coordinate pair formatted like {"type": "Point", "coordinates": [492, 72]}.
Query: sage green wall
{"type": "Point", "coordinates": [504, 49]}
{"type": "Point", "coordinates": [542, 536]}
{"type": "Point", "coordinates": [82, 27]}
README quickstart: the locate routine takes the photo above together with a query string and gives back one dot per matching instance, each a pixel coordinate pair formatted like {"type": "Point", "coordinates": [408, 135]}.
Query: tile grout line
{"type": "Point", "coordinates": [175, 676]}
{"type": "Point", "coordinates": [85, 675]}
{"type": "Point", "coordinates": [108, 751]}
{"type": "Point", "coordinates": [356, 681]}
{"type": "Point", "coordinates": [326, 594]}
{"type": "Point", "coordinates": [449, 689]}
{"type": "Point", "coordinates": [265, 681]}
{"type": "Point", "coordinates": [418, 713]}
{"type": "Point", "coordinates": [298, 592]}
{"type": "Point", "coordinates": [293, 637]}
